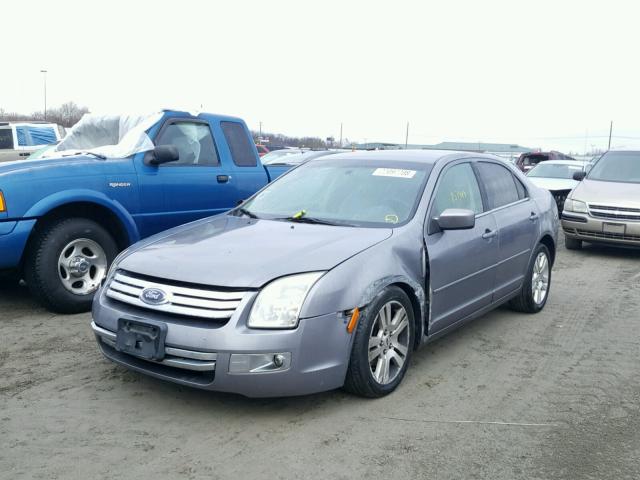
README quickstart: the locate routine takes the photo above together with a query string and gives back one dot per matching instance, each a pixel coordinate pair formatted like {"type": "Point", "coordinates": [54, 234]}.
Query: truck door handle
{"type": "Point", "coordinates": [224, 178]}
{"type": "Point", "coordinates": [488, 234]}
{"type": "Point", "coordinates": [533, 217]}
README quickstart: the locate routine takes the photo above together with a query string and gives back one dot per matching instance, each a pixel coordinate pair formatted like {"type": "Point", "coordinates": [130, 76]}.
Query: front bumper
{"type": "Point", "coordinates": [584, 227]}
{"type": "Point", "coordinates": [203, 355]}
{"type": "Point", "coordinates": [13, 239]}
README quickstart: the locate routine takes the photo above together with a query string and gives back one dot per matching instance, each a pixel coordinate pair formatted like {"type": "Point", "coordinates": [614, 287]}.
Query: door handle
{"type": "Point", "coordinates": [223, 178]}
{"type": "Point", "coordinates": [488, 234]}
{"type": "Point", "coordinates": [533, 217]}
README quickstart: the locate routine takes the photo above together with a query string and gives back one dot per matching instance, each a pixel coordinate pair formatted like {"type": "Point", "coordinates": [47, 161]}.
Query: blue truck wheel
{"type": "Point", "coordinates": [66, 263]}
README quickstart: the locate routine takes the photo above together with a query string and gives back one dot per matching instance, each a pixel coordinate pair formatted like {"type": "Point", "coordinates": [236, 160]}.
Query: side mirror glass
{"type": "Point", "coordinates": [456, 219]}
{"type": "Point", "coordinates": [579, 176]}
{"type": "Point", "coordinates": [162, 154]}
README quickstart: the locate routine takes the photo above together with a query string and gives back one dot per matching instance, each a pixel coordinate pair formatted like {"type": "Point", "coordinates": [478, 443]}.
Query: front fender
{"type": "Point", "coordinates": [66, 197]}
{"type": "Point", "coordinates": [355, 282]}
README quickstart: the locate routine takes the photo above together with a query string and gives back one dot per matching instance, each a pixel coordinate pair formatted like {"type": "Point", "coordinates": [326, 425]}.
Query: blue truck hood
{"type": "Point", "coordinates": [38, 164]}
{"type": "Point", "coordinates": [230, 251]}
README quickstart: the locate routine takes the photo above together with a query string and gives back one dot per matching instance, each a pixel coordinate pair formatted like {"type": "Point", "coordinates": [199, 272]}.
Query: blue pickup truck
{"type": "Point", "coordinates": [111, 182]}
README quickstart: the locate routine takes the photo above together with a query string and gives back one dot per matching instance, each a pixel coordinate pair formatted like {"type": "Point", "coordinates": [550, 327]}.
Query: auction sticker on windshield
{"type": "Point", "coordinates": [394, 172]}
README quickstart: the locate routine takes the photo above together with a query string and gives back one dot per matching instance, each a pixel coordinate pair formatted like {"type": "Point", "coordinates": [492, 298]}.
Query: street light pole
{"type": "Point", "coordinates": [45, 93]}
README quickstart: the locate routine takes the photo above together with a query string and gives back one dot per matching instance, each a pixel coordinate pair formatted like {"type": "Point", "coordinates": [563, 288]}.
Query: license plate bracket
{"type": "Point", "coordinates": [615, 228]}
{"type": "Point", "coordinates": [141, 338]}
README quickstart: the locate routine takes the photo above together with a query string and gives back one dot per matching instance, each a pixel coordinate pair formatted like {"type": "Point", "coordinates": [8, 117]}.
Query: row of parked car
{"type": "Point", "coordinates": [304, 272]}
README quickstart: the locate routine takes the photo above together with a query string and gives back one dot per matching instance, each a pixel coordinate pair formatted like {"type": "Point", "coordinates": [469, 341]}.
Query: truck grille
{"type": "Point", "coordinates": [609, 236]}
{"type": "Point", "coordinates": [615, 213]}
{"type": "Point", "coordinates": [180, 300]}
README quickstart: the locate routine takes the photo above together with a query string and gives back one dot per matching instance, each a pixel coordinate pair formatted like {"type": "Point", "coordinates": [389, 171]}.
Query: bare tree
{"type": "Point", "coordinates": [66, 115]}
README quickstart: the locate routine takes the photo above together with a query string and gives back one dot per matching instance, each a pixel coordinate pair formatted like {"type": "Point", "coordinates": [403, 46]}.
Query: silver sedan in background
{"type": "Point", "coordinates": [332, 275]}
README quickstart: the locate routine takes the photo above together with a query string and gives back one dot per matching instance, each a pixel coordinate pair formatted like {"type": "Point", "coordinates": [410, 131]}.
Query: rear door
{"type": "Point", "coordinates": [249, 174]}
{"type": "Point", "coordinates": [516, 217]}
{"type": "Point", "coordinates": [461, 262]}
{"type": "Point", "coordinates": [196, 186]}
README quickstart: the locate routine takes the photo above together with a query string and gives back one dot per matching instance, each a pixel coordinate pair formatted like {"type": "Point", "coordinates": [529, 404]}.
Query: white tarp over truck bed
{"type": "Point", "coordinates": [115, 136]}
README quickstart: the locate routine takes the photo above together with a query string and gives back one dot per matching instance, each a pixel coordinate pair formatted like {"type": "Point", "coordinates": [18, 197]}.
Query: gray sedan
{"type": "Point", "coordinates": [332, 275]}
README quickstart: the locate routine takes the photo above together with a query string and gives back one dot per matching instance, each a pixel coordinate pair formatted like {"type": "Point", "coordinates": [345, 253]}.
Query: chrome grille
{"type": "Point", "coordinates": [615, 213]}
{"type": "Point", "coordinates": [607, 235]}
{"type": "Point", "coordinates": [192, 302]}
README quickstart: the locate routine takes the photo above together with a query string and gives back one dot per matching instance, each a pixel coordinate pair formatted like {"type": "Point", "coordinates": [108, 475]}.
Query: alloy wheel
{"type": "Point", "coordinates": [81, 266]}
{"type": "Point", "coordinates": [389, 342]}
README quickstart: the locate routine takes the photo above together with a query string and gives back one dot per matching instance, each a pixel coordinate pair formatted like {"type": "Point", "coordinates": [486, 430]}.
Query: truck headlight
{"type": "Point", "coordinates": [577, 206]}
{"type": "Point", "coordinates": [278, 304]}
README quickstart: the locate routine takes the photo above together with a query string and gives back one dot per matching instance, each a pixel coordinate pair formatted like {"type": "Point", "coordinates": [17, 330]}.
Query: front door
{"type": "Point", "coordinates": [461, 262]}
{"type": "Point", "coordinates": [195, 186]}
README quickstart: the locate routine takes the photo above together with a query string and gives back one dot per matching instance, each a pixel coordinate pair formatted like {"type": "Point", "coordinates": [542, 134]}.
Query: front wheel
{"type": "Point", "coordinates": [537, 281]}
{"type": "Point", "coordinates": [66, 263]}
{"type": "Point", "coordinates": [382, 346]}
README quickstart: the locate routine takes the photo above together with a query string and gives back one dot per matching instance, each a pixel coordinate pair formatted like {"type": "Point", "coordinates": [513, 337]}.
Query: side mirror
{"type": "Point", "coordinates": [579, 176]}
{"type": "Point", "coordinates": [162, 154]}
{"type": "Point", "coordinates": [456, 219]}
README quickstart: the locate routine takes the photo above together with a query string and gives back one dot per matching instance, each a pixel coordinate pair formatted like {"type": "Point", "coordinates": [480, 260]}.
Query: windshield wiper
{"type": "Point", "coordinates": [301, 218]}
{"type": "Point", "coordinates": [97, 155]}
{"type": "Point", "coordinates": [246, 212]}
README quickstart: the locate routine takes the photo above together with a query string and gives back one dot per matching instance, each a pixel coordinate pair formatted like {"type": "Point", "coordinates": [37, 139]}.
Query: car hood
{"type": "Point", "coordinates": [614, 194]}
{"type": "Point", "coordinates": [231, 251]}
{"type": "Point", "coordinates": [554, 184]}
{"type": "Point", "coordinates": [38, 164]}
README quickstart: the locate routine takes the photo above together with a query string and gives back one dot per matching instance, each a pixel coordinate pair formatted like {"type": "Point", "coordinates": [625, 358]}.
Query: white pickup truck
{"type": "Point", "coordinates": [18, 140]}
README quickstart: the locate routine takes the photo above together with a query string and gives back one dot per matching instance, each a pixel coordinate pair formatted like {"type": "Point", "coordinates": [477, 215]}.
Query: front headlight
{"type": "Point", "coordinates": [576, 206]}
{"type": "Point", "coordinates": [278, 304]}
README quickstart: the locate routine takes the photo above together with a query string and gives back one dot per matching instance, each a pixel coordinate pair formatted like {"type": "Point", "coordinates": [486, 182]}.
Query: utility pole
{"type": "Point", "coordinates": [340, 134]}
{"type": "Point", "coordinates": [610, 131]}
{"type": "Point", "coordinates": [260, 131]}
{"type": "Point", "coordinates": [45, 93]}
{"type": "Point", "coordinates": [406, 138]}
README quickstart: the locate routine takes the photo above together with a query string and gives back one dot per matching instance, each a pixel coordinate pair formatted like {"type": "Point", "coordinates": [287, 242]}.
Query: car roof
{"type": "Point", "coordinates": [418, 156]}
{"type": "Point", "coordinates": [579, 163]}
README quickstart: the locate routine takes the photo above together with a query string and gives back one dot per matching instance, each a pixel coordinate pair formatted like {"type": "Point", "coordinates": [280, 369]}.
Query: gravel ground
{"type": "Point", "coordinates": [509, 396]}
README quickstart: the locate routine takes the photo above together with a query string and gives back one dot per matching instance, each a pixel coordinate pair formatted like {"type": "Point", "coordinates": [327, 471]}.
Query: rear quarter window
{"type": "Point", "coordinates": [243, 151]}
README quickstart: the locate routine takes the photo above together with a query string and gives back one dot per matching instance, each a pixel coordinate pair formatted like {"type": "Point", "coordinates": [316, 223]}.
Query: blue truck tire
{"type": "Point", "coordinates": [66, 261]}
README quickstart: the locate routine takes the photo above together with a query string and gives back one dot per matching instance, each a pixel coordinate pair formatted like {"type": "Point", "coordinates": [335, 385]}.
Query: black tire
{"type": "Point", "coordinates": [524, 302]}
{"type": "Point", "coordinates": [41, 263]}
{"type": "Point", "coordinates": [572, 243]}
{"type": "Point", "coordinates": [360, 379]}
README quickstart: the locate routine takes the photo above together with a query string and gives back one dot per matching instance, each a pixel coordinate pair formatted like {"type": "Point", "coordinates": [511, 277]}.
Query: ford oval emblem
{"type": "Point", "coordinates": [154, 296]}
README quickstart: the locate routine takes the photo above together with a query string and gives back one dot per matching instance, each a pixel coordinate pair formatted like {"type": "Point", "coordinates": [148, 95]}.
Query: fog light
{"type": "Point", "coordinates": [278, 360]}
{"type": "Point", "coordinates": [259, 362]}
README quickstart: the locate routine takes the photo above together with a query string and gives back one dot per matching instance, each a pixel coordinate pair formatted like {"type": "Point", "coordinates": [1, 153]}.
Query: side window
{"type": "Point", "coordinates": [42, 135]}
{"type": "Point", "coordinates": [243, 151]}
{"type": "Point", "coordinates": [193, 141]}
{"type": "Point", "coordinates": [458, 188]}
{"type": "Point", "coordinates": [6, 138]}
{"type": "Point", "coordinates": [522, 192]}
{"type": "Point", "coordinates": [499, 184]}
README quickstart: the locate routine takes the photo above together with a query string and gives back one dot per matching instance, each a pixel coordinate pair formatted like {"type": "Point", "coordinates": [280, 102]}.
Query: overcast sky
{"type": "Point", "coordinates": [540, 73]}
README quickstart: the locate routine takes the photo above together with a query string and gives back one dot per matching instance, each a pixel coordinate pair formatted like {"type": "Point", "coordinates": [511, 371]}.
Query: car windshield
{"type": "Point", "coordinates": [351, 193]}
{"type": "Point", "coordinates": [554, 170]}
{"type": "Point", "coordinates": [617, 167]}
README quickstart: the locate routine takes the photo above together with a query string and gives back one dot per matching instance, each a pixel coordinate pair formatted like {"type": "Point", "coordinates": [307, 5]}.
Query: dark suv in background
{"type": "Point", "coordinates": [527, 161]}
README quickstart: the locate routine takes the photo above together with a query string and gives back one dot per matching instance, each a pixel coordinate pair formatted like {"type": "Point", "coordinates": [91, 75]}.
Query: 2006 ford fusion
{"type": "Point", "coordinates": [332, 275]}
